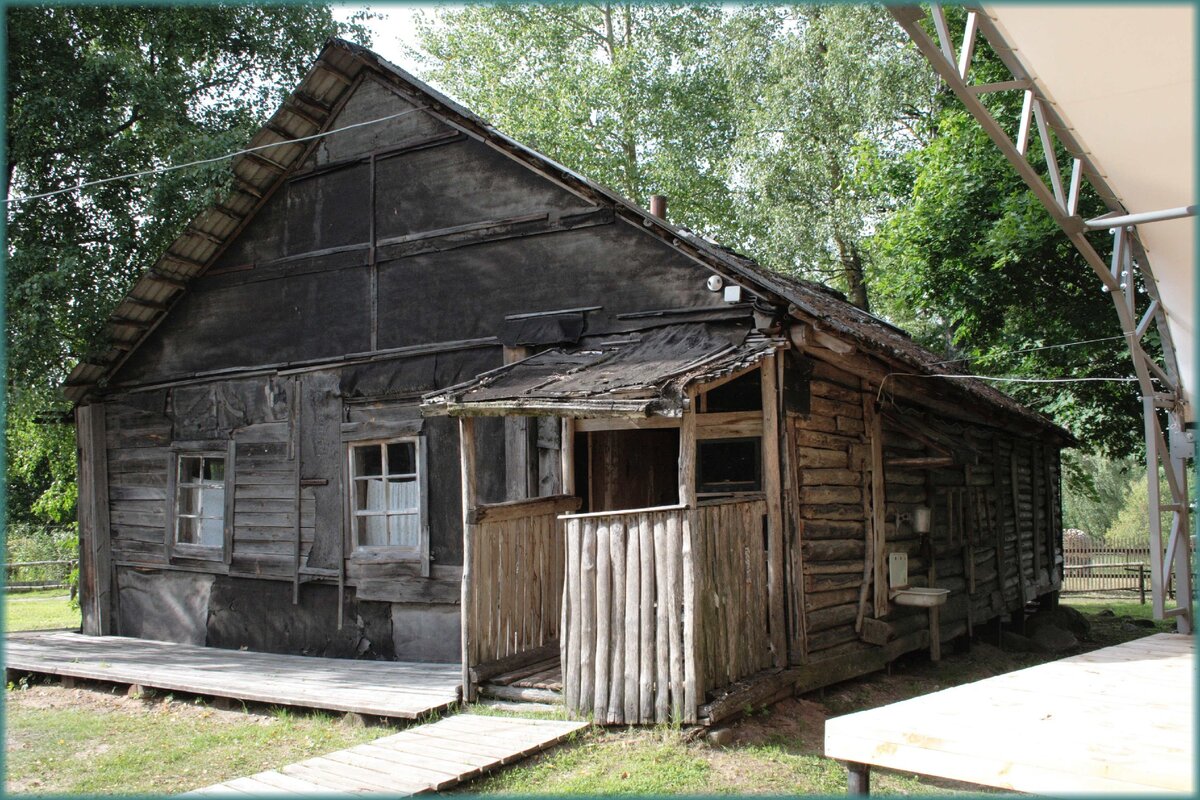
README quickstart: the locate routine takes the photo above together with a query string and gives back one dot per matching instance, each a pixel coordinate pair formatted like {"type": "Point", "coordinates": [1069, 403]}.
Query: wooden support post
{"type": "Point", "coordinates": [874, 433]}
{"type": "Point", "coordinates": [771, 366]}
{"type": "Point", "coordinates": [95, 543]}
{"type": "Point", "coordinates": [692, 693]}
{"type": "Point", "coordinates": [466, 444]}
{"type": "Point", "coordinates": [566, 455]}
{"type": "Point", "coordinates": [858, 778]}
{"type": "Point", "coordinates": [1016, 521]}
{"type": "Point", "coordinates": [520, 445]}
{"type": "Point", "coordinates": [935, 634]}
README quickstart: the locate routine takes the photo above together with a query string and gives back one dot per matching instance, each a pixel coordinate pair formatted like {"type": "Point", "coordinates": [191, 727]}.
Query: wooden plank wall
{"type": "Point", "coordinates": [732, 615]}
{"type": "Point", "coordinates": [996, 532]}
{"type": "Point", "coordinates": [517, 568]}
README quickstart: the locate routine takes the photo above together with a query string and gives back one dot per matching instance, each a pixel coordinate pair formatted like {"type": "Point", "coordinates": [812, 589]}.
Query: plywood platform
{"type": "Point", "coordinates": [381, 688]}
{"type": "Point", "coordinates": [421, 759]}
{"type": "Point", "coordinates": [1118, 719]}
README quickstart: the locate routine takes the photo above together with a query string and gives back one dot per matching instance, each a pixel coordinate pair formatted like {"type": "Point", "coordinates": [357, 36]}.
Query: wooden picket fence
{"type": "Point", "coordinates": [1106, 569]}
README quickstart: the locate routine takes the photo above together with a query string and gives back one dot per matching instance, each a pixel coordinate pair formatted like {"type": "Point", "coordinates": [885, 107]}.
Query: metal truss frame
{"type": "Point", "coordinates": [1170, 560]}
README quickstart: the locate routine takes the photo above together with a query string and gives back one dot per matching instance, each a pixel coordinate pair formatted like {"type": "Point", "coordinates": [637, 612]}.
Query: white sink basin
{"type": "Point", "coordinates": [919, 596]}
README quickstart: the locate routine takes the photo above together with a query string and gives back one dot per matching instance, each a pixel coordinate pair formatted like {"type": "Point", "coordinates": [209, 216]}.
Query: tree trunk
{"type": "Point", "coordinates": [852, 273]}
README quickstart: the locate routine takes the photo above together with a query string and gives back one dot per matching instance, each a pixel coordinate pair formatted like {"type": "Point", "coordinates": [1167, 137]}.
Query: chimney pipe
{"type": "Point", "coordinates": [658, 206]}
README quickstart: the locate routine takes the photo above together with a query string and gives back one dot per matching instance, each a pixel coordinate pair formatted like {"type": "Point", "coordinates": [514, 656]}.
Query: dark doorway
{"type": "Point", "coordinates": [618, 470]}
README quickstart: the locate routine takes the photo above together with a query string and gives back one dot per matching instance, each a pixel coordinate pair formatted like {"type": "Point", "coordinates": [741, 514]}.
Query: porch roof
{"type": "Point", "coordinates": [629, 375]}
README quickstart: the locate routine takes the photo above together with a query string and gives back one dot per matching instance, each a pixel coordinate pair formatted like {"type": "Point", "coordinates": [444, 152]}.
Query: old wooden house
{"type": "Point", "coordinates": [413, 391]}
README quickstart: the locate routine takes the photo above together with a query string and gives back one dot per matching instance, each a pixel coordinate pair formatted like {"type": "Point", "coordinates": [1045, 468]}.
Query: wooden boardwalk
{"type": "Point", "coordinates": [1117, 720]}
{"type": "Point", "coordinates": [421, 759]}
{"type": "Point", "coordinates": [380, 688]}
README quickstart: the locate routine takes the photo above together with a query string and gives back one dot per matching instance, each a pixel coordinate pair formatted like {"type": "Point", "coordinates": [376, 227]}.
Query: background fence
{"type": "Point", "coordinates": [1101, 568]}
{"type": "Point", "coordinates": [40, 556]}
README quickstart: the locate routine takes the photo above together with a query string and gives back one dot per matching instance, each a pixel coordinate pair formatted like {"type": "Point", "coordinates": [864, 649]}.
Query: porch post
{"type": "Point", "coordinates": [693, 692]}
{"type": "Point", "coordinates": [95, 539]}
{"type": "Point", "coordinates": [771, 483]}
{"type": "Point", "coordinates": [466, 444]}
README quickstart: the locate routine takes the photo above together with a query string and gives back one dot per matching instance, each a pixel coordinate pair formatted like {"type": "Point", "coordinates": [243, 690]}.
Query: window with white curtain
{"type": "Point", "coordinates": [199, 505]}
{"type": "Point", "coordinates": [386, 508]}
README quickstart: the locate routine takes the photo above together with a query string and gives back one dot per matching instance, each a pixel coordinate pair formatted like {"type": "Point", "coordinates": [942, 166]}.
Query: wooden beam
{"type": "Point", "coordinates": [772, 484]}
{"type": "Point", "coordinates": [687, 498]}
{"type": "Point", "coordinates": [519, 509]}
{"type": "Point", "coordinates": [311, 119]}
{"type": "Point", "coordinates": [566, 456]}
{"type": "Point", "coordinates": [334, 71]}
{"type": "Point", "coordinates": [174, 283]}
{"type": "Point", "coordinates": [95, 546]}
{"type": "Point", "coordinates": [874, 434]}
{"type": "Point", "coordinates": [150, 304]}
{"type": "Point", "coordinates": [269, 163]}
{"type": "Point", "coordinates": [466, 445]}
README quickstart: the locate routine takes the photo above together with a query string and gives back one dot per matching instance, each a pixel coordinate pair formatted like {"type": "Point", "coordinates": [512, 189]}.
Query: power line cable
{"type": "Point", "coordinates": [213, 160]}
{"type": "Point", "coordinates": [989, 356]}
{"type": "Point", "coordinates": [999, 379]}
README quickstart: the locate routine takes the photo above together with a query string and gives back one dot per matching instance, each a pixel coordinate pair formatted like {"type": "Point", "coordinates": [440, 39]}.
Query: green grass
{"type": "Point", "coordinates": [69, 744]}
{"type": "Point", "coordinates": [45, 608]}
{"type": "Point", "coordinates": [156, 747]}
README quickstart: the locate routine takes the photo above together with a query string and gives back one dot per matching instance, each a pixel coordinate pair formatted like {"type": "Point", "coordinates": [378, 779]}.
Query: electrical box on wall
{"type": "Point", "coordinates": [733, 293]}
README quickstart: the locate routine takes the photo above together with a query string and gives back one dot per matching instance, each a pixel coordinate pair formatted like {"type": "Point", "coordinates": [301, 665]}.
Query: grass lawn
{"type": "Point", "coordinates": [93, 740]}
{"type": "Point", "coordinates": [88, 741]}
{"type": "Point", "coordinates": [44, 608]}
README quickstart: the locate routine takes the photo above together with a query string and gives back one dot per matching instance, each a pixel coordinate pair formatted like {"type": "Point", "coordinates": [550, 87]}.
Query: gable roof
{"type": "Point", "coordinates": [311, 108]}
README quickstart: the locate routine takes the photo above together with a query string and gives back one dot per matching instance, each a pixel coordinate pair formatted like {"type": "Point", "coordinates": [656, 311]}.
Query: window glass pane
{"type": "Point", "coordinates": [404, 530]}
{"type": "Point", "coordinates": [214, 469]}
{"type": "Point", "coordinates": [185, 530]}
{"type": "Point", "coordinates": [212, 502]}
{"type": "Point", "coordinates": [212, 532]}
{"type": "Point", "coordinates": [402, 458]}
{"type": "Point", "coordinates": [186, 502]}
{"type": "Point", "coordinates": [403, 494]}
{"type": "Point", "coordinates": [189, 469]}
{"type": "Point", "coordinates": [372, 531]}
{"type": "Point", "coordinates": [368, 460]}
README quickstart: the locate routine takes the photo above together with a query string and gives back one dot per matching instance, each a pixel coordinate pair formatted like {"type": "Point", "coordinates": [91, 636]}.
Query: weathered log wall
{"type": "Point", "coordinates": [996, 528]}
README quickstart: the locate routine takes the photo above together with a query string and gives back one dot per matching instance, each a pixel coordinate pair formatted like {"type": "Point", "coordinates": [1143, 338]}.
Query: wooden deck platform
{"type": "Point", "coordinates": [1118, 719]}
{"type": "Point", "coordinates": [380, 688]}
{"type": "Point", "coordinates": [421, 759]}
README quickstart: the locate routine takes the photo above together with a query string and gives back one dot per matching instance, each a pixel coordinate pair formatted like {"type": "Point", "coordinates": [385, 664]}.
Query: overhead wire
{"type": "Point", "coordinates": [213, 160]}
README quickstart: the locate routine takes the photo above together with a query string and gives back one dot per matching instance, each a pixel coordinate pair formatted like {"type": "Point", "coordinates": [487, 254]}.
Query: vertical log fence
{"type": "Point", "coordinates": [639, 646]}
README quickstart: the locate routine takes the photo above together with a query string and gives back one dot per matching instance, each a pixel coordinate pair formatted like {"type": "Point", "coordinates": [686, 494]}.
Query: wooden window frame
{"type": "Point", "coordinates": [184, 550]}
{"type": "Point", "coordinates": [389, 553]}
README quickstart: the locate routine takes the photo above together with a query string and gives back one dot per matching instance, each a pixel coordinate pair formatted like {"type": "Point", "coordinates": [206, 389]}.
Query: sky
{"type": "Point", "coordinates": [394, 30]}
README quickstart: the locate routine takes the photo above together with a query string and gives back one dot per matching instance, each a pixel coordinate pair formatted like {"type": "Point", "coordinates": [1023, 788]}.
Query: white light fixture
{"type": "Point", "coordinates": [715, 283]}
{"type": "Point", "coordinates": [921, 519]}
{"type": "Point", "coordinates": [733, 293]}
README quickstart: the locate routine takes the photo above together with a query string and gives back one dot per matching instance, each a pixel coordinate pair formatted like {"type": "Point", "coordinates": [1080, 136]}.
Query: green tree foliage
{"type": "Point", "coordinates": [834, 99]}
{"type": "Point", "coordinates": [757, 123]}
{"type": "Point", "coordinates": [634, 97]}
{"type": "Point", "coordinates": [95, 92]}
{"type": "Point", "coordinates": [972, 264]}
{"type": "Point", "coordinates": [1095, 489]}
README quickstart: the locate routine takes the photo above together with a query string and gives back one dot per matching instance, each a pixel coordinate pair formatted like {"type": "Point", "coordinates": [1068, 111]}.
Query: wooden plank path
{"type": "Point", "coordinates": [381, 688]}
{"type": "Point", "coordinates": [1119, 719]}
{"type": "Point", "coordinates": [424, 758]}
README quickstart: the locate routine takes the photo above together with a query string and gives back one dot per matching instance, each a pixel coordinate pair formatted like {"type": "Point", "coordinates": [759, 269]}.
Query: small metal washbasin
{"type": "Point", "coordinates": [919, 596]}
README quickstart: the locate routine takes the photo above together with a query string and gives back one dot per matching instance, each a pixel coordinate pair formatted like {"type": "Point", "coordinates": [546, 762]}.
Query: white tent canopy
{"type": "Point", "coordinates": [1122, 77]}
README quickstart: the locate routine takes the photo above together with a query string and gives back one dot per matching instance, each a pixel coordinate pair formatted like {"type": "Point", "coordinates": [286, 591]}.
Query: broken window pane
{"type": "Point", "coordinates": [368, 460]}
{"type": "Point", "coordinates": [189, 469]}
{"type": "Point", "coordinates": [402, 458]}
